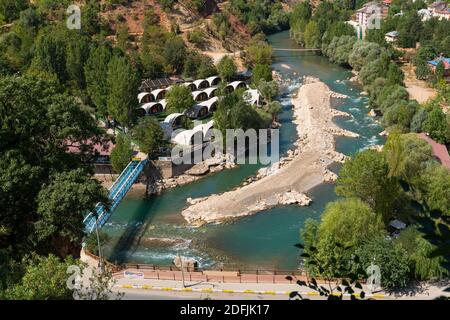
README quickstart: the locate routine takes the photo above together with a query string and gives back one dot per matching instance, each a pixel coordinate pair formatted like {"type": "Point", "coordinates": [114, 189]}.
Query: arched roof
{"type": "Point", "coordinates": [213, 80]}
{"type": "Point", "coordinates": [186, 137]}
{"type": "Point", "coordinates": [190, 85]}
{"type": "Point", "coordinates": [142, 95]}
{"type": "Point", "coordinates": [172, 117]}
{"type": "Point", "coordinates": [163, 102]}
{"type": "Point", "coordinates": [196, 94]}
{"type": "Point", "coordinates": [209, 103]}
{"type": "Point", "coordinates": [198, 83]}
{"type": "Point", "coordinates": [157, 92]}
{"type": "Point", "coordinates": [149, 105]}
{"type": "Point", "coordinates": [193, 112]}
{"type": "Point", "coordinates": [235, 84]}
{"type": "Point", "coordinates": [210, 91]}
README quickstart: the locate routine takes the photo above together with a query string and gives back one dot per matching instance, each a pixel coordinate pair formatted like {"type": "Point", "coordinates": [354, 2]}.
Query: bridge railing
{"type": "Point", "coordinates": [116, 193]}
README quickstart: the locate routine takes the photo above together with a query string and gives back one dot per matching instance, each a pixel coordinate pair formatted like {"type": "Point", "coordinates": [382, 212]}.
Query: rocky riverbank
{"type": "Point", "coordinates": [286, 181]}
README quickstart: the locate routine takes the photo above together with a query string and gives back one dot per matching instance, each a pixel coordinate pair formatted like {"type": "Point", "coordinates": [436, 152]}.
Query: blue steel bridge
{"type": "Point", "coordinates": [116, 193]}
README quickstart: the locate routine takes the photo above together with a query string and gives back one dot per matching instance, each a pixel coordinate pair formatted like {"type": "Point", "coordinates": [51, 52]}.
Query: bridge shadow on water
{"type": "Point", "coordinates": [138, 222]}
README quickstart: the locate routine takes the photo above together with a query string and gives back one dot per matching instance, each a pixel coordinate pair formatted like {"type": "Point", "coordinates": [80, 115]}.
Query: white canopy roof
{"type": "Point", "coordinates": [163, 102]}
{"type": "Point", "coordinates": [172, 117]}
{"type": "Point", "coordinates": [199, 82]}
{"type": "Point", "coordinates": [195, 94]}
{"type": "Point", "coordinates": [147, 106]}
{"type": "Point", "coordinates": [142, 95]}
{"type": "Point", "coordinates": [209, 103]}
{"type": "Point", "coordinates": [194, 111]}
{"type": "Point", "coordinates": [156, 92]}
{"type": "Point", "coordinates": [186, 137]}
{"type": "Point", "coordinates": [235, 84]}
{"type": "Point", "coordinates": [210, 91]}
{"type": "Point", "coordinates": [212, 79]}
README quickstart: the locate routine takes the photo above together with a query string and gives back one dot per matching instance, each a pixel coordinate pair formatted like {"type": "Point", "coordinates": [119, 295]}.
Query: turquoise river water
{"type": "Point", "coordinates": [265, 240]}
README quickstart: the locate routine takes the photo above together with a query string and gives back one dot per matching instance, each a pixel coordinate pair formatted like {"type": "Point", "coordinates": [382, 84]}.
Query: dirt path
{"type": "Point", "coordinates": [417, 89]}
{"type": "Point", "coordinates": [313, 112]}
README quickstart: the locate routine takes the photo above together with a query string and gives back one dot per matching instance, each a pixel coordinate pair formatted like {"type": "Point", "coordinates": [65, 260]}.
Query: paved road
{"type": "Point", "coordinates": [170, 290]}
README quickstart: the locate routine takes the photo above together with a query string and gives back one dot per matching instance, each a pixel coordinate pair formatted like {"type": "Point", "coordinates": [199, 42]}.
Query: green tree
{"type": "Point", "coordinates": [366, 177]}
{"type": "Point", "coordinates": [268, 89]}
{"type": "Point", "coordinates": [179, 99]}
{"type": "Point", "coordinates": [122, 153]}
{"type": "Point", "coordinates": [50, 52]}
{"type": "Point", "coordinates": [259, 53]}
{"type": "Point", "coordinates": [349, 221]}
{"type": "Point", "coordinates": [153, 65]}
{"type": "Point", "coordinates": [437, 124]}
{"type": "Point", "coordinates": [149, 136]}
{"type": "Point", "coordinates": [422, 265]}
{"type": "Point", "coordinates": [312, 35]}
{"type": "Point", "coordinates": [96, 75]}
{"type": "Point", "coordinates": [60, 209]}
{"type": "Point", "coordinates": [122, 37]}
{"type": "Point", "coordinates": [90, 18]}
{"type": "Point", "coordinates": [226, 68]}
{"type": "Point", "coordinates": [206, 68]}
{"type": "Point", "coordinates": [434, 185]}
{"type": "Point", "coordinates": [10, 9]}
{"type": "Point", "coordinates": [175, 53]}
{"type": "Point", "coordinates": [400, 115]}
{"type": "Point", "coordinates": [274, 108]}
{"type": "Point", "coordinates": [362, 53]}
{"type": "Point", "coordinates": [122, 86]}
{"type": "Point", "coordinates": [261, 72]}
{"type": "Point", "coordinates": [407, 155]}
{"type": "Point", "coordinates": [44, 279]}
{"type": "Point", "coordinates": [77, 53]}
{"type": "Point", "coordinates": [392, 260]}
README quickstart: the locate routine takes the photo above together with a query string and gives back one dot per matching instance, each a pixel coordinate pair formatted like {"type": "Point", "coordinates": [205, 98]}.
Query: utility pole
{"type": "Point", "coordinates": [182, 269]}
{"type": "Point", "coordinates": [100, 255]}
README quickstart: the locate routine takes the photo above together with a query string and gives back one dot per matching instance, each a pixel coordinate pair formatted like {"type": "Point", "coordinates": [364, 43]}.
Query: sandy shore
{"type": "Point", "coordinates": [303, 170]}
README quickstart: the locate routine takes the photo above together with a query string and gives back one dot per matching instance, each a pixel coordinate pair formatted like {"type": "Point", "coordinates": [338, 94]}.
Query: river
{"type": "Point", "coordinates": [265, 240]}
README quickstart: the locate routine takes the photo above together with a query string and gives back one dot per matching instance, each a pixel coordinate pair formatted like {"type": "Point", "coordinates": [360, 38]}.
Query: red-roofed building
{"type": "Point", "coordinates": [439, 150]}
{"type": "Point", "coordinates": [102, 151]}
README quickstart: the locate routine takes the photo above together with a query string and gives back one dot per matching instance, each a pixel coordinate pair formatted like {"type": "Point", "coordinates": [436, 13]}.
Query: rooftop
{"type": "Point", "coordinates": [439, 150]}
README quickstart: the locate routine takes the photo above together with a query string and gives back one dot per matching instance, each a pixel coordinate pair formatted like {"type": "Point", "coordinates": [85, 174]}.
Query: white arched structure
{"type": "Point", "coordinates": [200, 95]}
{"type": "Point", "coordinates": [190, 85]}
{"type": "Point", "coordinates": [211, 92]}
{"type": "Point", "coordinates": [188, 137]}
{"type": "Point", "coordinates": [174, 119]}
{"type": "Point", "coordinates": [233, 86]}
{"type": "Point", "coordinates": [163, 102]}
{"type": "Point", "coordinates": [211, 104]}
{"type": "Point", "coordinates": [145, 97]}
{"type": "Point", "coordinates": [201, 84]}
{"type": "Point", "coordinates": [158, 94]}
{"type": "Point", "coordinates": [214, 80]}
{"type": "Point", "coordinates": [252, 96]}
{"type": "Point", "coordinates": [152, 107]}
{"type": "Point", "coordinates": [197, 111]}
